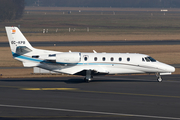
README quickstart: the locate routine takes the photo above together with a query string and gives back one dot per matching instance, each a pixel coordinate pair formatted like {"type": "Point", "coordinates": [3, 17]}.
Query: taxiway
{"type": "Point", "coordinates": [135, 97]}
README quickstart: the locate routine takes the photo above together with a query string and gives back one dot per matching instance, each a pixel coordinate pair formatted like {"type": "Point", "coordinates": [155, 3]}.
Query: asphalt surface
{"type": "Point", "coordinates": [136, 97]}
{"type": "Point", "coordinates": [100, 43]}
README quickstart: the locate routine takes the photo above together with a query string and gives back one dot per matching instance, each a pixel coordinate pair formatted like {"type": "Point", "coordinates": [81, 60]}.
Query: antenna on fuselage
{"type": "Point", "coordinates": [94, 51]}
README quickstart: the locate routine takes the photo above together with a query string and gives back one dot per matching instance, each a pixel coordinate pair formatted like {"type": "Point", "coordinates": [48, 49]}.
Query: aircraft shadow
{"type": "Point", "coordinates": [3, 118]}
{"type": "Point", "coordinates": [72, 80]}
{"type": "Point", "coordinates": [122, 81]}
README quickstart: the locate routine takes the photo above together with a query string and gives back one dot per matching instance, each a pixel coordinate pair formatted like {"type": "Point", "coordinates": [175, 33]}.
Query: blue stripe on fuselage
{"type": "Point", "coordinates": [25, 58]}
{"type": "Point", "coordinates": [15, 55]}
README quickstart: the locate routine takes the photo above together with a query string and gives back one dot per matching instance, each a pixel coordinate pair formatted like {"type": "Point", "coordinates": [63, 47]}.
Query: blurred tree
{"type": "Point", "coordinates": [11, 9]}
{"type": "Point", "coordinates": [30, 2]}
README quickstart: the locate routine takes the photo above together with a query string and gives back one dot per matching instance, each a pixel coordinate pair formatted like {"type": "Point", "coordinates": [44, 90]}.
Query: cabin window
{"type": "Point", "coordinates": [128, 59]}
{"type": "Point", "coordinates": [143, 59]}
{"type": "Point", "coordinates": [95, 59]}
{"type": "Point", "coordinates": [120, 59]}
{"type": "Point", "coordinates": [103, 58]}
{"type": "Point", "coordinates": [85, 58]}
{"type": "Point", "coordinates": [35, 56]}
{"type": "Point", "coordinates": [112, 59]}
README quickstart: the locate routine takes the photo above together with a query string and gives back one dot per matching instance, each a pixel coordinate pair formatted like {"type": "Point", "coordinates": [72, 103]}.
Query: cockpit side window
{"type": "Point", "coordinates": [143, 60]}
{"type": "Point", "coordinates": [150, 59]}
{"type": "Point", "coordinates": [147, 59]}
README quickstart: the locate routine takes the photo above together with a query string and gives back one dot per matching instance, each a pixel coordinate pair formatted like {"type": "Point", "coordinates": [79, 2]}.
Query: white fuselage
{"type": "Point", "coordinates": [86, 64]}
{"type": "Point", "coordinates": [109, 63]}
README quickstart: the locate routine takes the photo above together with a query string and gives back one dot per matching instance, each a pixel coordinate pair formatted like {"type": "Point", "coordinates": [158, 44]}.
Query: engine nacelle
{"type": "Point", "coordinates": [68, 57]}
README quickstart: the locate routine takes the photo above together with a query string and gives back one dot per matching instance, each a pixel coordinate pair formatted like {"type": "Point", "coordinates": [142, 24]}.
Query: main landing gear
{"type": "Point", "coordinates": [88, 77]}
{"type": "Point", "coordinates": [159, 78]}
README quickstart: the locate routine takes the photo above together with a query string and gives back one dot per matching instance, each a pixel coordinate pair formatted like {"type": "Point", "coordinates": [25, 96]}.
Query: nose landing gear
{"type": "Point", "coordinates": [159, 78]}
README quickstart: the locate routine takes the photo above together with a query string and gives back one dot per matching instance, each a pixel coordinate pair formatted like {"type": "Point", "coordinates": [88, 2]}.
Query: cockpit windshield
{"type": "Point", "coordinates": [148, 59]}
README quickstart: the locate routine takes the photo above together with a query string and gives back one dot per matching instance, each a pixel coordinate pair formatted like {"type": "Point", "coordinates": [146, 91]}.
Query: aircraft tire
{"type": "Point", "coordinates": [86, 80]}
{"type": "Point", "coordinates": [159, 79]}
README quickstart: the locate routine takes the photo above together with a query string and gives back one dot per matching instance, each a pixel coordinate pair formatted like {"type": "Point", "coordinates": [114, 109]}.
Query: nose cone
{"type": "Point", "coordinates": [168, 68]}
{"type": "Point", "coordinates": [165, 68]}
{"type": "Point", "coordinates": [171, 68]}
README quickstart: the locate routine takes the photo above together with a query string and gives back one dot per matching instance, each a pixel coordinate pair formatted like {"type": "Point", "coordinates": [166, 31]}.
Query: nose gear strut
{"type": "Point", "coordinates": [159, 78]}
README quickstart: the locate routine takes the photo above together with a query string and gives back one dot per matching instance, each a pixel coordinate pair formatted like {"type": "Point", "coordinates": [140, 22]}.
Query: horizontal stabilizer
{"type": "Point", "coordinates": [30, 64]}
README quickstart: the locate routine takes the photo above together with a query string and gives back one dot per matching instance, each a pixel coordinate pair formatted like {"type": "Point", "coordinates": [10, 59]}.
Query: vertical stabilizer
{"type": "Point", "coordinates": [17, 41]}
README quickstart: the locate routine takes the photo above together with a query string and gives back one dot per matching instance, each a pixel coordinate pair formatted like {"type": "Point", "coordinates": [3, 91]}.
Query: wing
{"type": "Point", "coordinates": [81, 70]}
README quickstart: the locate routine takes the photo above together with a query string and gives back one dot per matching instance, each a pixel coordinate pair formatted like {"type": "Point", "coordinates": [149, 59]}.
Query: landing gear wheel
{"type": "Point", "coordinates": [159, 79]}
{"type": "Point", "coordinates": [88, 77]}
{"type": "Point", "coordinates": [87, 80]}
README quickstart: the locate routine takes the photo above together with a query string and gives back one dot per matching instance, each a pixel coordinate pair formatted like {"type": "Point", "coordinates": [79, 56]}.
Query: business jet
{"type": "Point", "coordinates": [85, 64]}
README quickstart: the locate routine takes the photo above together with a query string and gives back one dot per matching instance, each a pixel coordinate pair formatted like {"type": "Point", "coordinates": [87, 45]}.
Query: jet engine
{"type": "Point", "coordinates": [69, 57]}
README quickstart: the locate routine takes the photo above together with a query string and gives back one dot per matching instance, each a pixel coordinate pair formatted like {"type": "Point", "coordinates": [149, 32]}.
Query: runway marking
{"type": "Point", "coordinates": [91, 112]}
{"type": "Point", "coordinates": [64, 89]}
{"type": "Point", "coordinates": [101, 116]}
{"type": "Point", "coordinates": [150, 95]}
{"type": "Point", "coordinates": [103, 92]}
{"type": "Point", "coordinates": [9, 86]}
{"type": "Point", "coordinates": [20, 88]}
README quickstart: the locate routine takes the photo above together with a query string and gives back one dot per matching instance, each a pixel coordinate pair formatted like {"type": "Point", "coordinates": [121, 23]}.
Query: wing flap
{"type": "Point", "coordinates": [82, 70]}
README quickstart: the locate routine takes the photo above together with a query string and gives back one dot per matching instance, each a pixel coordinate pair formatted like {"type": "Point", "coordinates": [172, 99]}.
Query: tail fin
{"type": "Point", "coordinates": [17, 41]}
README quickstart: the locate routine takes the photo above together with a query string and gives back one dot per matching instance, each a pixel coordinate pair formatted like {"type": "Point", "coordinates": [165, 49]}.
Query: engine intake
{"type": "Point", "coordinates": [73, 57]}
